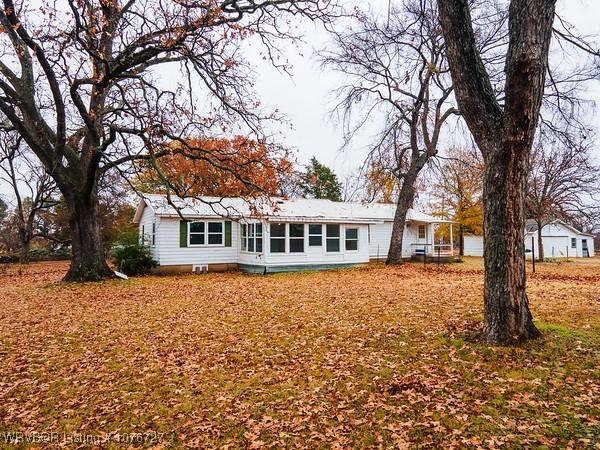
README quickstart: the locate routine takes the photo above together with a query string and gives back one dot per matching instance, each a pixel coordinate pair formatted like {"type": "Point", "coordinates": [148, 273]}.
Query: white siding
{"type": "Point", "coordinates": [172, 254]}
{"type": "Point", "coordinates": [145, 224]}
{"type": "Point", "coordinates": [473, 245]}
{"type": "Point", "coordinates": [381, 235]}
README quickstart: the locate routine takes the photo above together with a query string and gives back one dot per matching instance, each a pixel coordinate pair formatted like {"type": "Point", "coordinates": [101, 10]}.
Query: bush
{"type": "Point", "coordinates": [133, 258]}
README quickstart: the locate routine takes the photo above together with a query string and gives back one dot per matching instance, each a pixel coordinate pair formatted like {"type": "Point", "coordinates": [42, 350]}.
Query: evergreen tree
{"type": "Point", "coordinates": [319, 181]}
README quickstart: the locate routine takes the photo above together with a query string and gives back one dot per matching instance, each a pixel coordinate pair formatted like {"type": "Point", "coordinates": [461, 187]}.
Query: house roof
{"type": "Point", "coordinates": [531, 226]}
{"type": "Point", "coordinates": [276, 209]}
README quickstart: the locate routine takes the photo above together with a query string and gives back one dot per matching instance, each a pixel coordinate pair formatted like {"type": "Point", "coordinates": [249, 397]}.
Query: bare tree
{"type": "Point", "coordinates": [83, 83]}
{"type": "Point", "coordinates": [396, 67]}
{"type": "Point", "coordinates": [33, 189]}
{"type": "Point", "coordinates": [562, 183]}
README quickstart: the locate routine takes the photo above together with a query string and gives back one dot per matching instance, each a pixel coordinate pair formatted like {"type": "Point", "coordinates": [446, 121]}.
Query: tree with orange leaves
{"type": "Point", "coordinates": [220, 167]}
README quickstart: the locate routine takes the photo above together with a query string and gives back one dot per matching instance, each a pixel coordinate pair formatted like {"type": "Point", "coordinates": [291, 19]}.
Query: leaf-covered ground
{"type": "Point", "coordinates": [370, 357]}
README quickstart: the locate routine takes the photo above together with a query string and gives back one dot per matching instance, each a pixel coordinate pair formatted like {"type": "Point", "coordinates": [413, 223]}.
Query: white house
{"type": "Point", "coordinates": [560, 240]}
{"type": "Point", "coordinates": [285, 235]}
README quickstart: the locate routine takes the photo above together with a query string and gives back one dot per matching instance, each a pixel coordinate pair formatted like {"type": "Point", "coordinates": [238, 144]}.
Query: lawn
{"type": "Point", "coordinates": [370, 357]}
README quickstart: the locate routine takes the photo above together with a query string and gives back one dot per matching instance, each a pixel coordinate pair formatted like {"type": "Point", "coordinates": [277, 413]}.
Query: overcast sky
{"type": "Point", "coordinates": [305, 96]}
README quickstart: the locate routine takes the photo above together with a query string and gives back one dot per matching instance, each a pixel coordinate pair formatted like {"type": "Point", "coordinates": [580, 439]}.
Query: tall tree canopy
{"type": "Point", "coordinates": [83, 82]}
{"type": "Point", "coordinates": [245, 167]}
{"type": "Point", "coordinates": [395, 67]}
{"type": "Point", "coordinates": [319, 181]}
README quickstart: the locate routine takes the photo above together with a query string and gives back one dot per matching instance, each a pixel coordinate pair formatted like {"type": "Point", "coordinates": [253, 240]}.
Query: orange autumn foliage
{"type": "Point", "coordinates": [221, 167]}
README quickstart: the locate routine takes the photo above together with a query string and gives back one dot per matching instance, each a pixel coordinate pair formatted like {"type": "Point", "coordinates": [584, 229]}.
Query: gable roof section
{"type": "Point", "coordinates": [531, 226]}
{"type": "Point", "coordinates": [286, 209]}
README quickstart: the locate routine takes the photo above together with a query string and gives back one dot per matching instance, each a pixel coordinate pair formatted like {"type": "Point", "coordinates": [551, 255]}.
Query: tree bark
{"type": "Point", "coordinates": [88, 261]}
{"type": "Point", "coordinates": [405, 201]}
{"type": "Point", "coordinates": [461, 241]}
{"type": "Point", "coordinates": [504, 135]}
{"type": "Point", "coordinates": [506, 306]}
{"type": "Point", "coordinates": [540, 254]}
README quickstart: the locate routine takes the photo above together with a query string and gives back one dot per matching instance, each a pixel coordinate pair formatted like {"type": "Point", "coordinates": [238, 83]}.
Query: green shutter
{"type": "Point", "coordinates": [228, 233]}
{"type": "Point", "coordinates": [183, 231]}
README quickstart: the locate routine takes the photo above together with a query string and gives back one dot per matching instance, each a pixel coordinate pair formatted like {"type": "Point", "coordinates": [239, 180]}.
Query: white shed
{"type": "Point", "coordinates": [289, 234]}
{"type": "Point", "coordinates": [560, 240]}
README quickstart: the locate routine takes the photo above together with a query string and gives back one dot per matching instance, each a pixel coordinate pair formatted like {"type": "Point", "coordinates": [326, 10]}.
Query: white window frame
{"type": "Point", "coordinates": [338, 237]}
{"type": "Point", "coordinates": [189, 233]}
{"type": "Point", "coordinates": [573, 241]}
{"type": "Point", "coordinates": [346, 229]}
{"type": "Point", "coordinates": [284, 238]}
{"type": "Point", "coordinates": [424, 228]}
{"type": "Point", "coordinates": [254, 236]}
{"type": "Point", "coordinates": [153, 234]}
{"type": "Point", "coordinates": [315, 234]}
{"type": "Point", "coordinates": [205, 233]}
{"type": "Point", "coordinates": [208, 233]}
{"type": "Point", "coordinates": [291, 238]}
{"type": "Point", "coordinates": [143, 234]}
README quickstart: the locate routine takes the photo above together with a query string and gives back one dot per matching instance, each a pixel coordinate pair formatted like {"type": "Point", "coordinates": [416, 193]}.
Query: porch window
{"type": "Point", "coordinates": [573, 242]}
{"type": "Point", "coordinates": [196, 233]}
{"type": "Point", "coordinates": [315, 235]}
{"type": "Point", "coordinates": [252, 237]}
{"type": "Point", "coordinates": [421, 231]}
{"type": "Point", "coordinates": [333, 238]}
{"type": "Point", "coordinates": [277, 243]}
{"type": "Point", "coordinates": [351, 239]}
{"type": "Point", "coordinates": [296, 237]}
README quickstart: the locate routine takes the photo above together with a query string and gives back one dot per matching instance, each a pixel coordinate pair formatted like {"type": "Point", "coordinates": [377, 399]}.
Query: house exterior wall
{"type": "Point", "coordinates": [318, 255]}
{"type": "Point", "coordinates": [557, 242]}
{"type": "Point", "coordinates": [473, 245]}
{"type": "Point", "coordinates": [171, 254]}
{"type": "Point", "coordinates": [145, 228]}
{"type": "Point", "coordinates": [380, 236]}
{"type": "Point", "coordinates": [373, 242]}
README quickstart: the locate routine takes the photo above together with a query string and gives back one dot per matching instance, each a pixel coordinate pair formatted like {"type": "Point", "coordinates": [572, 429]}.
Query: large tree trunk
{"type": "Point", "coordinates": [506, 307]}
{"type": "Point", "coordinates": [461, 240]}
{"type": "Point", "coordinates": [405, 200]}
{"type": "Point", "coordinates": [540, 254]}
{"type": "Point", "coordinates": [504, 134]}
{"type": "Point", "coordinates": [88, 261]}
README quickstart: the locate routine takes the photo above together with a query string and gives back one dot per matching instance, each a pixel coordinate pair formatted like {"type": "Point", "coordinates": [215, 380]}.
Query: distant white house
{"type": "Point", "coordinates": [296, 234]}
{"type": "Point", "coordinates": [560, 240]}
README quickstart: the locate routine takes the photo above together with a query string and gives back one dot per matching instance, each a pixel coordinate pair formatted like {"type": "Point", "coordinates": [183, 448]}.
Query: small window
{"type": "Point", "coordinates": [153, 233]}
{"type": "Point", "coordinates": [351, 239]}
{"type": "Point", "coordinates": [143, 234]}
{"type": "Point", "coordinates": [296, 237]}
{"type": "Point", "coordinates": [252, 237]}
{"type": "Point", "coordinates": [333, 238]}
{"type": "Point", "coordinates": [315, 235]}
{"type": "Point", "coordinates": [421, 231]}
{"type": "Point", "coordinates": [196, 233]}
{"type": "Point", "coordinates": [215, 233]}
{"type": "Point", "coordinates": [258, 238]}
{"type": "Point", "coordinates": [244, 237]}
{"type": "Point", "coordinates": [573, 242]}
{"type": "Point", "coordinates": [277, 243]}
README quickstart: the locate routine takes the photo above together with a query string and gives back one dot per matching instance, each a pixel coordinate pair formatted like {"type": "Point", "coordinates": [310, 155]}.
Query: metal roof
{"type": "Point", "coordinates": [276, 209]}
